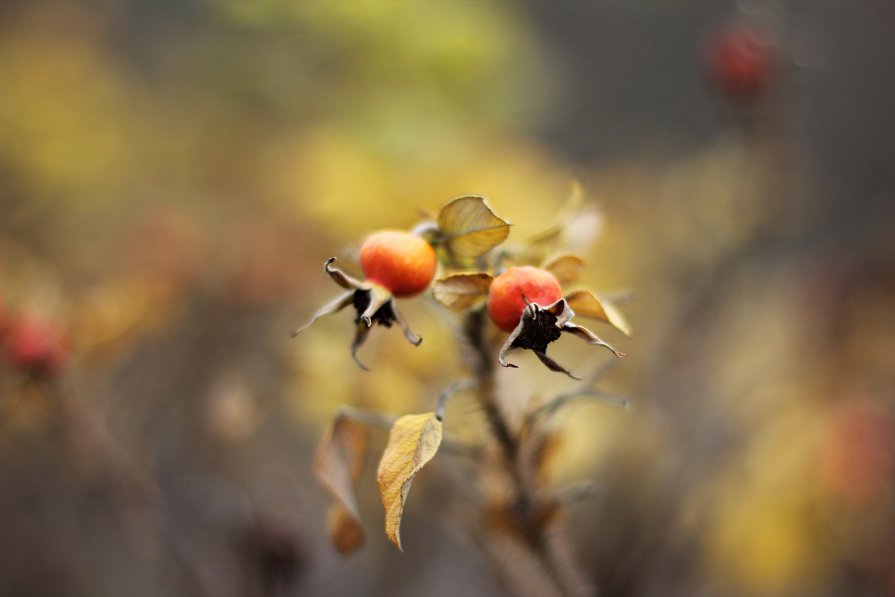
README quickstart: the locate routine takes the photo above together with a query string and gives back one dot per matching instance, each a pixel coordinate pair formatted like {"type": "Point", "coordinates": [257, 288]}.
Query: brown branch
{"type": "Point", "coordinates": [529, 515]}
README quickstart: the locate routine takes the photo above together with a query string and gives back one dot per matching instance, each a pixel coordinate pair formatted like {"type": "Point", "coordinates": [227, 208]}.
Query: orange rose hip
{"type": "Point", "coordinates": [401, 262]}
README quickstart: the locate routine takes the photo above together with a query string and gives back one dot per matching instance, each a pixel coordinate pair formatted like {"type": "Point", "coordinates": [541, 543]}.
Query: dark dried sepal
{"type": "Point", "coordinates": [590, 337]}
{"type": "Point", "coordinates": [361, 332]}
{"type": "Point", "coordinates": [539, 326]}
{"type": "Point", "coordinates": [553, 365]}
{"type": "Point", "coordinates": [376, 305]}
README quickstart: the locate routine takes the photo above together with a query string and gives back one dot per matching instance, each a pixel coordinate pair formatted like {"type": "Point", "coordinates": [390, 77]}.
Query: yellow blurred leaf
{"type": "Point", "coordinates": [595, 306]}
{"type": "Point", "coordinates": [565, 268]}
{"type": "Point", "coordinates": [413, 441]}
{"type": "Point", "coordinates": [462, 291]}
{"type": "Point", "coordinates": [339, 462]}
{"type": "Point", "coordinates": [470, 227]}
{"type": "Point", "coordinates": [345, 531]}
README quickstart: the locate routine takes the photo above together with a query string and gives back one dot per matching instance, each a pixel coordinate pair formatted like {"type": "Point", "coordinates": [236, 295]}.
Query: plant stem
{"type": "Point", "coordinates": [525, 510]}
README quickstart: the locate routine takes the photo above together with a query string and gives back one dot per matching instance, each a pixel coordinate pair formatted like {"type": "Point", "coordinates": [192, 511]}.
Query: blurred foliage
{"type": "Point", "coordinates": [173, 177]}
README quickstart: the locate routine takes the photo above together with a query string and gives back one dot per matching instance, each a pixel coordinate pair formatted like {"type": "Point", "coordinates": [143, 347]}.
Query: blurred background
{"type": "Point", "coordinates": [173, 175]}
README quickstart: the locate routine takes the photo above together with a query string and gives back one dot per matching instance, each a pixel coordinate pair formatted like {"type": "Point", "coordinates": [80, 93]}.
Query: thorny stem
{"type": "Point", "coordinates": [526, 510]}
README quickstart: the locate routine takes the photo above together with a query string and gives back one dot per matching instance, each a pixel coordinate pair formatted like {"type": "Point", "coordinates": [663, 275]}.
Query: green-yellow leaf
{"type": "Point", "coordinates": [470, 228]}
{"type": "Point", "coordinates": [339, 462]}
{"type": "Point", "coordinates": [566, 268]}
{"type": "Point", "coordinates": [462, 291]}
{"type": "Point", "coordinates": [413, 441]}
{"type": "Point", "coordinates": [595, 306]}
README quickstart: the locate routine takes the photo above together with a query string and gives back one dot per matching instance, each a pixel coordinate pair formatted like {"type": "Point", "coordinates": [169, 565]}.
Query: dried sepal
{"type": "Point", "coordinates": [405, 327]}
{"type": "Point", "coordinates": [590, 337]}
{"type": "Point", "coordinates": [596, 306]}
{"type": "Point", "coordinates": [340, 277]}
{"type": "Point", "coordinates": [376, 305]}
{"type": "Point", "coordinates": [334, 306]}
{"type": "Point", "coordinates": [566, 268]}
{"type": "Point", "coordinates": [553, 365]}
{"type": "Point", "coordinates": [539, 326]}
{"type": "Point", "coordinates": [376, 298]}
{"type": "Point", "coordinates": [361, 332]}
{"type": "Point", "coordinates": [462, 291]}
{"type": "Point", "coordinates": [470, 228]}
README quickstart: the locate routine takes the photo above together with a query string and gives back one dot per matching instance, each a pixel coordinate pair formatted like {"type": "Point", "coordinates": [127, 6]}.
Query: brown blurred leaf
{"type": "Point", "coordinates": [462, 291]}
{"type": "Point", "coordinates": [345, 530]}
{"type": "Point", "coordinates": [470, 228]}
{"type": "Point", "coordinates": [339, 462]}
{"type": "Point", "coordinates": [565, 268]}
{"type": "Point", "coordinates": [589, 304]}
{"type": "Point", "coordinates": [413, 441]}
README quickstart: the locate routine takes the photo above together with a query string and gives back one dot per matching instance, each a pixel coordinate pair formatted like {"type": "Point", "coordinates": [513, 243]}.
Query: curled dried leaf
{"type": "Point", "coordinates": [469, 227]}
{"type": "Point", "coordinates": [339, 462]}
{"type": "Point", "coordinates": [412, 442]}
{"type": "Point", "coordinates": [566, 268]}
{"type": "Point", "coordinates": [596, 306]}
{"type": "Point", "coordinates": [462, 291]}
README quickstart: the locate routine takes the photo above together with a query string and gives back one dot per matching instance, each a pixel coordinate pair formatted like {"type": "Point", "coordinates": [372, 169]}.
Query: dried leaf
{"type": "Point", "coordinates": [589, 304]}
{"type": "Point", "coordinates": [565, 268]}
{"type": "Point", "coordinates": [462, 291]}
{"type": "Point", "coordinates": [345, 530]}
{"type": "Point", "coordinates": [470, 228]}
{"type": "Point", "coordinates": [413, 441]}
{"type": "Point", "coordinates": [339, 462]}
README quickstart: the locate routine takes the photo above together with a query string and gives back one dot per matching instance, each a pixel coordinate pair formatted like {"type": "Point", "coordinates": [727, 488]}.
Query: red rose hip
{"type": "Point", "coordinates": [505, 302]}
{"type": "Point", "coordinates": [740, 62]}
{"type": "Point", "coordinates": [401, 262]}
{"type": "Point", "coordinates": [36, 345]}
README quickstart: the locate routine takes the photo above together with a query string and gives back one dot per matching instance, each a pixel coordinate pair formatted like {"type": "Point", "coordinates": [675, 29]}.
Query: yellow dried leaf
{"type": "Point", "coordinates": [413, 441]}
{"type": "Point", "coordinates": [565, 268]}
{"type": "Point", "coordinates": [339, 462]}
{"type": "Point", "coordinates": [470, 228]}
{"type": "Point", "coordinates": [595, 306]}
{"type": "Point", "coordinates": [345, 530]}
{"type": "Point", "coordinates": [462, 291]}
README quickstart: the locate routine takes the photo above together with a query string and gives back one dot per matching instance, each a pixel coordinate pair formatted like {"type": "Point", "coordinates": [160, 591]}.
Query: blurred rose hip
{"type": "Point", "coordinates": [37, 345]}
{"type": "Point", "coordinates": [740, 62]}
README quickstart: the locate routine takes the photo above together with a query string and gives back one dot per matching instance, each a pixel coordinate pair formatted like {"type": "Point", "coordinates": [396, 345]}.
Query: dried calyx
{"type": "Point", "coordinates": [372, 304]}
{"type": "Point", "coordinates": [539, 326]}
